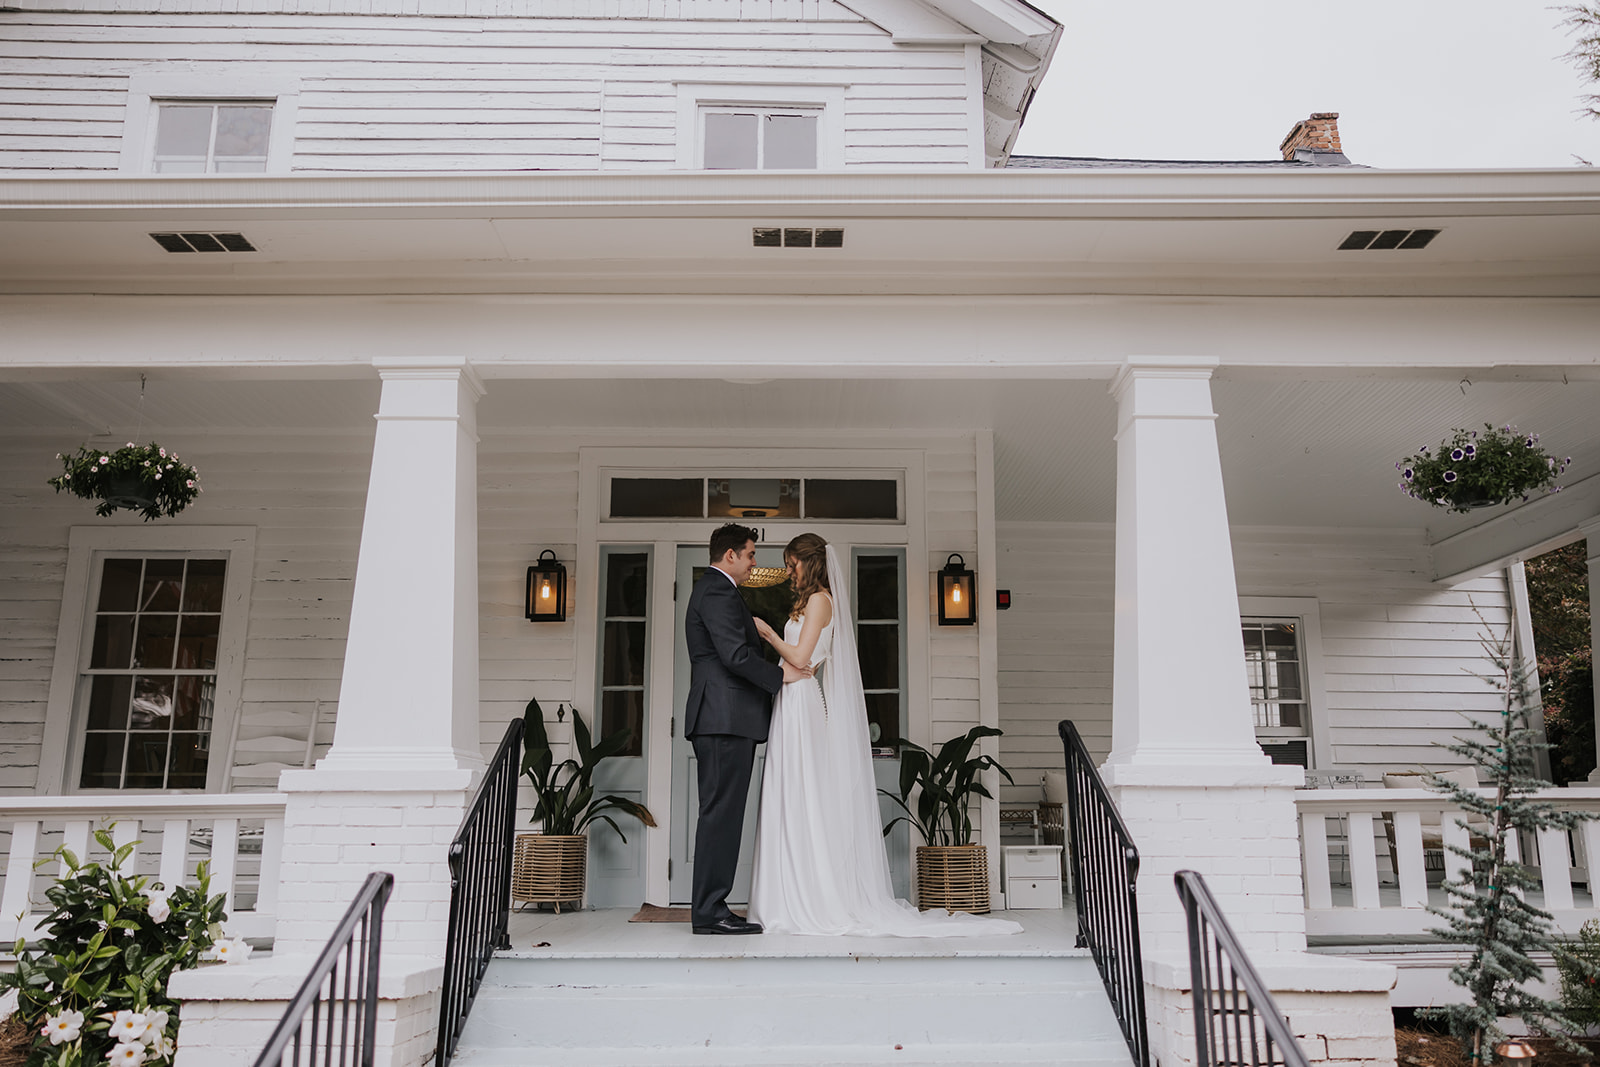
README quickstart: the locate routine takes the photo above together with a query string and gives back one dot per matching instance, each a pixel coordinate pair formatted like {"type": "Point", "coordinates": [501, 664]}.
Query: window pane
{"type": "Point", "coordinates": [119, 584]}
{"type": "Point", "coordinates": [197, 647]}
{"type": "Point", "coordinates": [623, 655]}
{"type": "Point", "coordinates": [627, 585]}
{"type": "Point", "coordinates": [1252, 639]}
{"type": "Point", "coordinates": [1287, 676]}
{"type": "Point", "coordinates": [883, 717]}
{"type": "Point", "coordinates": [730, 142]}
{"type": "Point", "coordinates": [113, 642]}
{"type": "Point", "coordinates": [152, 702]}
{"type": "Point", "coordinates": [877, 587]}
{"type": "Point", "coordinates": [189, 755]}
{"type": "Point", "coordinates": [192, 710]}
{"type": "Point", "coordinates": [624, 710]}
{"type": "Point", "coordinates": [1280, 638]}
{"type": "Point", "coordinates": [202, 591]}
{"type": "Point", "coordinates": [880, 656]}
{"type": "Point", "coordinates": [147, 761]}
{"type": "Point", "coordinates": [753, 498]}
{"type": "Point", "coordinates": [791, 142]}
{"type": "Point", "coordinates": [179, 166]}
{"type": "Point", "coordinates": [842, 498]}
{"type": "Point", "coordinates": [102, 761]}
{"type": "Point", "coordinates": [158, 636]}
{"type": "Point", "coordinates": [163, 582]}
{"type": "Point", "coordinates": [242, 131]}
{"type": "Point", "coordinates": [183, 130]}
{"type": "Point", "coordinates": [108, 702]}
{"type": "Point", "coordinates": [658, 498]}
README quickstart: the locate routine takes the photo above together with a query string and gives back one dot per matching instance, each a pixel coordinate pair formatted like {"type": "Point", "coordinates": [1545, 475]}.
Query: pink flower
{"type": "Point", "coordinates": [104, 460]}
{"type": "Point", "coordinates": [189, 483]}
{"type": "Point", "coordinates": [163, 453]}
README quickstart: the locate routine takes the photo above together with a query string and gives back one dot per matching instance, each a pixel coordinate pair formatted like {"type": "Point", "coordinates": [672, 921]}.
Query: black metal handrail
{"type": "Point", "coordinates": [1105, 873]}
{"type": "Point", "coordinates": [1237, 1023]}
{"type": "Point", "coordinates": [340, 995]}
{"type": "Point", "coordinates": [480, 889]}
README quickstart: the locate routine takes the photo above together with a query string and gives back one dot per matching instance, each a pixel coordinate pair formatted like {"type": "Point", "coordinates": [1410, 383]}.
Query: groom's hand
{"type": "Point", "coordinates": [791, 673]}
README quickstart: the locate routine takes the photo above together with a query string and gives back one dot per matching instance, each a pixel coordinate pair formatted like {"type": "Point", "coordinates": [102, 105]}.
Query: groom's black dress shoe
{"type": "Point", "coordinates": [731, 925]}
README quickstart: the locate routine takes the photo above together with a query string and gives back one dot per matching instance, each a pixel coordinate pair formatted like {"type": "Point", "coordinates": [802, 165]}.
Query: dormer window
{"type": "Point", "coordinates": [754, 138]}
{"type": "Point", "coordinates": [212, 137]}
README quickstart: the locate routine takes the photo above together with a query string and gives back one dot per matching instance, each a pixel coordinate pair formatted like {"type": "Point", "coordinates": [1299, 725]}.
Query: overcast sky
{"type": "Point", "coordinates": [1416, 83]}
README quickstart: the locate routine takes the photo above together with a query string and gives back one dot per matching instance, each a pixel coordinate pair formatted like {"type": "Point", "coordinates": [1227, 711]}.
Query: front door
{"type": "Point", "coordinates": [771, 603]}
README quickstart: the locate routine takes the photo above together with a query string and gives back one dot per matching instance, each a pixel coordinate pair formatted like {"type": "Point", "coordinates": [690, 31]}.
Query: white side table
{"type": "Point", "coordinates": [1033, 876]}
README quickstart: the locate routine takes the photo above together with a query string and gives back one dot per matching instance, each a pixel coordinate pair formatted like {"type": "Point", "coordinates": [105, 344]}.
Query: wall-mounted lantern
{"type": "Point", "coordinates": [956, 607]}
{"type": "Point", "coordinates": [547, 589]}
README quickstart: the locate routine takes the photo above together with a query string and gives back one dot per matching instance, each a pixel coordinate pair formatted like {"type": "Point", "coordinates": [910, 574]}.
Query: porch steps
{"type": "Point", "coordinates": [956, 1006]}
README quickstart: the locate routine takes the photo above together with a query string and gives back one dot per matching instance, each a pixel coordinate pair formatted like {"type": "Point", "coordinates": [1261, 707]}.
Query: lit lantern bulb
{"type": "Point", "coordinates": [544, 589]}
{"type": "Point", "coordinates": [955, 594]}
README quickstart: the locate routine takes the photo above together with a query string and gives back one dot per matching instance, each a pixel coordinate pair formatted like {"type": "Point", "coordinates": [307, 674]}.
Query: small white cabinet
{"type": "Point", "coordinates": [1033, 876]}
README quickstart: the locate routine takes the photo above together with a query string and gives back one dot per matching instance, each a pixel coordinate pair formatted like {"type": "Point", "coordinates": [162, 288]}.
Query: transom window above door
{"type": "Point", "coordinates": [879, 498]}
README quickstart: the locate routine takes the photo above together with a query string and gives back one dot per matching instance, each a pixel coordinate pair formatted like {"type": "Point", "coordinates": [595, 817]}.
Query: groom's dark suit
{"type": "Point", "coordinates": [730, 706]}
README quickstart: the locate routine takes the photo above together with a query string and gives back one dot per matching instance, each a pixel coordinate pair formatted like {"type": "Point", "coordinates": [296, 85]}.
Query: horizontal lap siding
{"type": "Point", "coordinates": [1400, 655]}
{"type": "Point", "coordinates": [952, 526]}
{"type": "Point", "coordinates": [303, 494]}
{"type": "Point", "coordinates": [405, 93]}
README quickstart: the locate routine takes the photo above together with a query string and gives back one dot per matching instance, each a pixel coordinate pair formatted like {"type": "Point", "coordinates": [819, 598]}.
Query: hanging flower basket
{"type": "Point", "coordinates": [1480, 469]}
{"type": "Point", "coordinates": [145, 478]}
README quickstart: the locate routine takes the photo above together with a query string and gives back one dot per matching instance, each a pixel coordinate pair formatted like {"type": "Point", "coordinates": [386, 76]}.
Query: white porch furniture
{"type": "Point", "coordinates": [1033, 876]}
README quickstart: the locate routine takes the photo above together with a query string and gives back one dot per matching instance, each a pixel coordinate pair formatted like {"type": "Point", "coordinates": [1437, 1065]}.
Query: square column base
{"type": "Point", "coordinates": [228, 1012]}
{"type": "Point", "coordinates": [1337, 1009]}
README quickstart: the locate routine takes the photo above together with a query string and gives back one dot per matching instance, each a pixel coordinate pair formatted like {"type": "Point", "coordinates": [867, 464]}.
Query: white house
{"type": "Point", "coordinates": [538, 240]}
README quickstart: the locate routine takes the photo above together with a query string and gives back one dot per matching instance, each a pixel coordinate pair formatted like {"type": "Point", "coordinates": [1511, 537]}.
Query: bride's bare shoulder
{"type": "Point", "coordinates": [821, 604]}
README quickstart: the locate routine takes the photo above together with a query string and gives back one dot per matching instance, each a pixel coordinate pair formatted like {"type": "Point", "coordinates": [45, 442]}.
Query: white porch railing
{"type": "Point", "coordinates": [239, 835]}
{"type": "Point", "coordinates": [1369, 872]}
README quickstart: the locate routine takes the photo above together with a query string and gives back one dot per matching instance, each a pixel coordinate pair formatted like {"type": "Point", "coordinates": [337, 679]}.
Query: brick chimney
{"type": "Point", "coordinates": [1315, 140]}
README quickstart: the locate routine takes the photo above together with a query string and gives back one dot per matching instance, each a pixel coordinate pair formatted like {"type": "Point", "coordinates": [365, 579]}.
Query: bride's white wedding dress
{"type": "Point", "coordinates": [820, 864]}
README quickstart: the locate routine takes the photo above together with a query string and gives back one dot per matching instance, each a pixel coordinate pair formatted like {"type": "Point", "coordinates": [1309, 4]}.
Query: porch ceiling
{"type": "Point", "coordinates": [1295, 452]}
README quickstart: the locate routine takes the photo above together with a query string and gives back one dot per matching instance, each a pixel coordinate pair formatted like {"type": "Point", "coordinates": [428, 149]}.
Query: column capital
{"type": "Point", "coordinates": [1168, 367]}
{"type": "Point", "coordinates": [1591, 534]}
{"type": "Point", "coordinates": [430, 368]}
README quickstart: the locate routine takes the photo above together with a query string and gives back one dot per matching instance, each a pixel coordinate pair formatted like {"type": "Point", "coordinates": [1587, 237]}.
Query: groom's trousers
{"type": "Point", "coordinates": [723, 767]}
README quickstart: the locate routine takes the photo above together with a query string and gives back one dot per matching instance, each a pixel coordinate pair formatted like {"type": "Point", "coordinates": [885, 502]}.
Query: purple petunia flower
{"type": "Point", "coordinates": [1409, 474]}
{"type": "Point", "coordinates": [1471, 451]}
{"type": "Point", "coordinates": [1457, 455]}
{"type": "Point", "coordinates": [1449, 476]}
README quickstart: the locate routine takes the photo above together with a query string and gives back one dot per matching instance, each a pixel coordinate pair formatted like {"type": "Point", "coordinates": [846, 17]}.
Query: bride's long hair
{"type": "Point", "coordinates": [811, 552]}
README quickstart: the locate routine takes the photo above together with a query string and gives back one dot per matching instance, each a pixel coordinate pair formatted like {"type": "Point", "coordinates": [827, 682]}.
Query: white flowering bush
{"type": "Point", "coordinates": [1474, 469]}
{"type": "Point", "coordinates": [145, 478]}
{"type": "Point", "coordinates": [94, 987]}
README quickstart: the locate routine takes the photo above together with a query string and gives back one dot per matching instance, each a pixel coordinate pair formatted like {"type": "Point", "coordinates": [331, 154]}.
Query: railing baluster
{"type": "Point", "coordinates": [175, 850]}
{"type": "Point", "coordinates": [1363, 860]}
{"type": "Point", "coordinates": [1237, 1022]}
{"type": "Point", "coordinates": [480, 889]}
{"type": "Point", "coordinates": [320, 1013]}
{"type": "Point", "coordinates": [1105, 871]}
{"type": "Point", "coordinates": [1408, 859]}
{"type": "Point", "coordinates": [19, 874]}
{"type": "Point", "coordinates": [75, 839]}
{"type": "Point", "coordinates": [1319, 879]}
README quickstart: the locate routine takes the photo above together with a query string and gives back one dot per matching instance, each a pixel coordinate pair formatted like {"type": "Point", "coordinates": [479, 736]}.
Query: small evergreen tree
{"type": "Point", "coordinates": [1489, 911]}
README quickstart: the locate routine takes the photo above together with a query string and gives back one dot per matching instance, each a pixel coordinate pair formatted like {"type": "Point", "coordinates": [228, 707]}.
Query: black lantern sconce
{"type": "Point", "coordinates": [547, 589]}
{"type": "Point", "coordinates": [956, 606]}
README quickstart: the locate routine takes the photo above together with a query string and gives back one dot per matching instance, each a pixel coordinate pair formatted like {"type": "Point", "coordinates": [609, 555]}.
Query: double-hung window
{"type": "Point", "coordinates": [1282, 655]}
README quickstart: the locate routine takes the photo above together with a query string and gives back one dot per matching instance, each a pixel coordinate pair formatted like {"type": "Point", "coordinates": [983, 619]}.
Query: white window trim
{"type": "Point", "coordinates": [147, 91]}
{"type": "Point", "coordinates": [826, 98]}
{"type": "Point", "coordinates": [86, 547]}
{"type": "Point", "coordinates": [1308, 610]}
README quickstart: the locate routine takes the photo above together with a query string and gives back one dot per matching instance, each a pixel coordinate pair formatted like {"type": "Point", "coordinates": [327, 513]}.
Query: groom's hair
{"type": "Point", "coordinates": [731, 536]}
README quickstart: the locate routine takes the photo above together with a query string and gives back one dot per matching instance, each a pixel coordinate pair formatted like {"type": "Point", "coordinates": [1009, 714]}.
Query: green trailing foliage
{"type": "Point", "coordinates": [95, 985]}
{"type": "Point", "coordinates": [564, 793]}
{"type": "Point", "coordinates": [944, 784]}
{"type": "Point", "coordinates": [1488, 910]}
{"type": "Point", "coordinates": [146, 478]}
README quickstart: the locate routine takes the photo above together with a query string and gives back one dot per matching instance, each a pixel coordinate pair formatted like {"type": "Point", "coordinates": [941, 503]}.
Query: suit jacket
{"type": "Point", "coordinates": [730, 685]}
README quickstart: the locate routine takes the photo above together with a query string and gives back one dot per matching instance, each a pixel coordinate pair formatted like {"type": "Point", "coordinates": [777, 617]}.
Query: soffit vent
{"type": "Point", "coordinates": [203, 242]}
{"type": "Point", "coordinates": [796, 237]}
{"type": "Point", "coordinates": [1382, 240]}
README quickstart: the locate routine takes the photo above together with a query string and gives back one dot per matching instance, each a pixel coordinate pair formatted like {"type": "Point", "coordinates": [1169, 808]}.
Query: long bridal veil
{"type": "Point", "coordinates": [856, 824]}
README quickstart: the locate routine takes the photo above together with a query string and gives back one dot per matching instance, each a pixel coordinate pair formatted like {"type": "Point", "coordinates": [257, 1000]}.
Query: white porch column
{"type": "Point", "coordinates": [392, 790]}
{"type": "Point", "coordinates": [1187, 774]}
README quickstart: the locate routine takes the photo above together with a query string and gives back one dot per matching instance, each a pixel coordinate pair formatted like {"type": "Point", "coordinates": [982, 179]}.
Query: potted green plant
{"type": "Point", "coordinates": [550, 865]}
{"type": "Point", "coordinates": [1474, 469]}
{"type": "Point", "coordinates": [145, 478]}
{"type": "Point", "coordinates": [952, 872]}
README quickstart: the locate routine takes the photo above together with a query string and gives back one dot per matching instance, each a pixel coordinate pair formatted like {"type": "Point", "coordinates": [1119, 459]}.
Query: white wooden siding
{"type": "Point", "coordinates": [1400, 654]}
{"type": "Point", "coordinates": [493, 89]}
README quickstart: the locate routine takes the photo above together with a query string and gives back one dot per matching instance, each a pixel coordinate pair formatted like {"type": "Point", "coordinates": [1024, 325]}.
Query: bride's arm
{"type": "Point", "coordinates": [819, 611]}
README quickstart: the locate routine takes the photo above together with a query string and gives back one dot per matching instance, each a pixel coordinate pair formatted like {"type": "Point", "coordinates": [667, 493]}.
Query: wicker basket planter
{"type": "Point", "coordinates": [954, 877]}
{"type": "Point", "coordinates": [549, 869]}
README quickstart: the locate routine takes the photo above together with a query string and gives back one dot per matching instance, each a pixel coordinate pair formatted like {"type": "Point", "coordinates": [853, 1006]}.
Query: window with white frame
{"type": "Point", "coordinates": [759, 138]}
{"type": "Point", "coordinates": [211, 136]}
{"type": "Point", "coordinates": [1283, 668]}
{"type": "Point", "coordinates": [148, 660]}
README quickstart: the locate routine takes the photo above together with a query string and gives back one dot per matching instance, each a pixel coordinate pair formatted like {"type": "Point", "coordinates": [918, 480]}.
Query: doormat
{"type": "Point", "coordinates": [650, 913]}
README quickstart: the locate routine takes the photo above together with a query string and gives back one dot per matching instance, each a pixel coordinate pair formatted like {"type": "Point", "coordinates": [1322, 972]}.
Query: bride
{"type": "Point", "coordinates": [820, 865]}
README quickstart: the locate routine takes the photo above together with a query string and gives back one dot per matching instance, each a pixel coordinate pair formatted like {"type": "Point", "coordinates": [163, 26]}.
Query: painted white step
{"type": "Point", "coordinates": [945, 1010]}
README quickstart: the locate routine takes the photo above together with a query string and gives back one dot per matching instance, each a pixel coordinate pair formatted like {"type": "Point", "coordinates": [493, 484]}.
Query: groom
{"type": "Point", "coordinates": [730, 704]}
